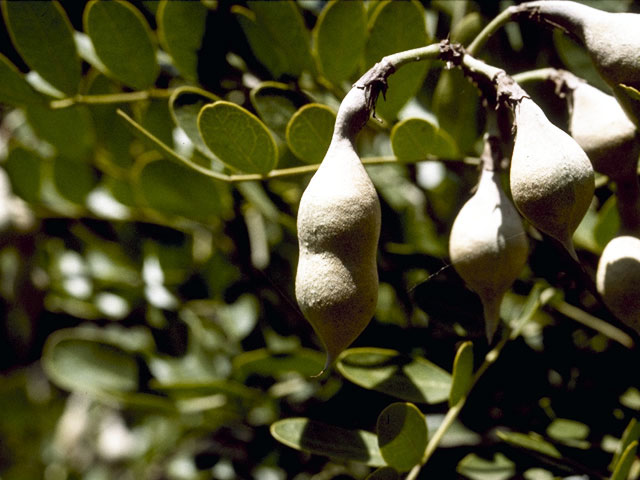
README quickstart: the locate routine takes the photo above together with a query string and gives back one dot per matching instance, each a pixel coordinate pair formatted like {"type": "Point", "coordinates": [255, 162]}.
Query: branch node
{"type": "Point", "coordinates": [451, 53]}
{"type": "Point", "coordinates": [374, 82]}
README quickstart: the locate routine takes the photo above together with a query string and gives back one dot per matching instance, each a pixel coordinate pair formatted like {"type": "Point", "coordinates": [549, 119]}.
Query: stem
{"type": "Point", "coordinates": [501, 19]}
{"type": "Point", "coordinates": [538, 75]}
{"type": "Point", "coordinates": [108, 98]}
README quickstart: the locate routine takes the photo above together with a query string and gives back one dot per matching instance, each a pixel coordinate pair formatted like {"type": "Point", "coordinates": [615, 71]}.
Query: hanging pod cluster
{"type": "Point", "coordinates": [338, 229]}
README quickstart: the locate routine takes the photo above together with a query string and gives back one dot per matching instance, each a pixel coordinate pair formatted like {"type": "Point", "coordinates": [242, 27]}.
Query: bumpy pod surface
{"type": "Point", "coordinates": [612, 40]}
{"type": "Point", "coordinates": [338, 230]}
{"type": "Point", "coordinates": [488, 246]}
{"type": "Point", "coordinates": [552, 180]}
{"type": "Point", "coordinates": [618, 277]}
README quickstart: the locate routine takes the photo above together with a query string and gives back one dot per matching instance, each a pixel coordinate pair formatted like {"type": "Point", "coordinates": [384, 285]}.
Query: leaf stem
{"type": "Point", "coordinates": [108, 98]}
{"type": "Point", "coordinates": [501, 19]}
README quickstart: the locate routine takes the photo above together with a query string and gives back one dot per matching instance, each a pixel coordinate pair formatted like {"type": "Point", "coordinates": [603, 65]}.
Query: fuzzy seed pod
{"type": "Point", "coordinates": [338, 230]}
{"type": "Point", "coordinates": [552, 180]}
{"type": "Point", "coordinates": [612, 40]}
{"type": "Point", "coordinates": [488, 246]}
{"type": "Point", "coordinates": [618, 277]}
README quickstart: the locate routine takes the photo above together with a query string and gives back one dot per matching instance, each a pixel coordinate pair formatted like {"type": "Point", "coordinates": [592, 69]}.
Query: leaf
{"type": "Point", "coordinates": [43, 35]}
{"type": "Point", "coordinates": [185, 104]}
{"type": "Point", "coordinates": [276, 103]}
{"type": "Point", "coordinates": [631, 434]}
{"type": "Point", "coordinates": [623, 467]}
{"type": "Point", "coordinates": [309, 132]}
{"type": "Point", "coordinates": [565, 429]}
{"type": "Point", "coordinates": [416, 139]}
{"type": "Point", "coordinates": [531, 441]}
{"type": "Point", "coordinates": [384, 473]}
{"type": "Point", "coordinates": [577, 60]}
{"type": "Point", "coordinates": [122, 40]}
{"type": "Point", "coordinates": [269, 364]}
{"type": "Point", "coordinates": [173, 189]}
{"type": "Point", "coordinates": [155, 116]}
{"type": "Point", "coordinates": [462, 380]}
{"type": "Point", "coordinates": [328, 440]}
{"type": "Point", "coordinates": [394, 27]}
{"type": "Point", "coordinates": [14, 89]}
{"type": "Point", "coordinates": [237, 137]}
{"type": "Point", "coordinates": [402, 435]}
{"type": "Point", "coordinates": [477, 468]}
{"type": "Point", "coordinates": [74, 179]}
{"type": "Point", "coordinates": [456, 435]}
{"type": "Point", "coordinates": [413, 379]}
{"type": "Point", "coordinates": [181, 26]}
{"type": "Point", "coordinates": [341, 27]}
{"type": "Point", "coordinates": [456, 103]}
{"type": "Point", "coordinates": [24, 168]}
{"type": "Point", "coordinates": [607, 222]}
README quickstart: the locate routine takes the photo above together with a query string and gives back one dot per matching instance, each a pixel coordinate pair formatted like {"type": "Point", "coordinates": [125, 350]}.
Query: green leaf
{"type": "Point", "coordinates": [402, 435]}
{"type": "Point", "coordinates": [394, 27]}
{"type": "Point", "coordinates": [237, 137]}
{"type": "Point", "coordinates": [268, 364]}
{"type": "Point", "coordinates": [631, 434]}
{"type": "Point", "coordinates": [276, 103]}
{"type": "Point", "coordinates": [565, 429]}
{"type": "Point", "coordinates": [416, 139]}
{"type": "Point", "coordinates": [42, 34]}
{"type": "Point", "coordinates": [462, 373]}
{"type": "Point", "coordinates": [341, 27]}
{"type": "Point", "coordinates": [24, 168]}
{"type": "Point", "coordinates": [181, 26]}
{"type": "Point", "coordinates": [623, 467]}
{"type": "Point", "coordinates": [384, 473]}
{"type": "Point", "coordinates": [328, 440]}
{"type": "Point", "coordinates": [607, 222]}
{"type": "Point", "coordinates": [155, 117]}
{"type": "Point", "coordinates": [531, 441]}
{"type": "Point", "coordinates": [629, 99]}
{"type": "Point", "coordinates": [74, 179]}
{"type": "Point", "coordinates": [185, 104]}
{"type": "Point", "coordinates": [577, 60]}
{"type": "Point", "coordinates": [413, 379]}
{"type": "Point", "coordinates": [478, 468]}
{"type": "Point", "coordinates": [309, 132]}
{"type": "Point", "coordinates": [456, 104]}
{"type": "Point", "coordinates": [174, 189]}
{"type": "Point", "coordinates": [122, 40]}
{"type": "Point", "coordinates": [14, 89]}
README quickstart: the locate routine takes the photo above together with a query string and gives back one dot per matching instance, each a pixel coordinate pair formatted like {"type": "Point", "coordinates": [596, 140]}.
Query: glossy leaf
{"type": "Point", "coordinates": [263, 362]}
{"type": "Point", "coordinates": [173, 189]}
{"type": "Point", "coordinates": [328, 440]}
{"type": "Point", "coordinates": [122, 40]}
{"type": "Point", "coordinates": [462, 377]}
{"type": "Point", "coordinates": [478, 468]}
{"type": "Point", "coordinates": [530, 441]}
{"type": "Point", "coordinates": [181, 26]}
{"type": "Point", "coordinates": [416, 139]}
{"type": "Point", "coordinates": [276, 103]}
{"type": "Point", "coordinates": [394, 27]}
{"type": "Point", "coordinates": [42, 34]}
{"type": "Point", "coordinates": [341, 27]}
{"type": "Point", "coordinates": [309, 132]}
{"type": "Point", "coordinates": [384, 473]}
{"type": "Point", "coordinates": [623, 467]}
{"type": "Point", "coordinates": [24, 168]}
{"type": "Point", "coordinates": [565, 429]}
{"type": "Point", "coordinates": [14, 89]}
{"type": "Point", "coordinates": [402, 435]}
{"type": "Point", "coordinates": [237, 137]}
{"type": "Point", "coordinates": [412, 379]}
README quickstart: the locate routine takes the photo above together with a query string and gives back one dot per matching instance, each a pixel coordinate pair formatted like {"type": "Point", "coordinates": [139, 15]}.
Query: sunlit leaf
{"type": "Point", "coordinates": [462, 373]}
{"type": "Point", "coordinates": [402, 435]}
{"type": "Point", "coordinates": [122, 40]}
{"type": "Point", "coordinates": [631, 434]}
{"type": "Point", "coordinates": [477, 468]}
{"type": "Point", "coordinates": [237, 137]}
{"type": "Point", "coordinates": [275, 103]}
{"type": "Point", "coordinates": [328, 440]}
{"type": "Point", "coordinates": [530, 441]}
{"type": "Point", "coordinates": [623, 467]}
{"type": "Point", "coordinates": [416, 139]}
{"type": "Point", "coordinates": [263, 362]}
{"type": "Point", "coordinates": [43, 35]}
{"type": "Point", "coordinates": [565, 429]}
{"type": "Point", "coordinates": [309, 132]}
{"type": "Point", "coordinates": [412, 379]}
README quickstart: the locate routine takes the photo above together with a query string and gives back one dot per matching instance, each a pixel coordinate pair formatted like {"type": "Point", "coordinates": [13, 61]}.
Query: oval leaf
{"type": "Point", "coordinates": [263, 362]}
{"type": "Point", "coordinates": [43, 36]}
{"type": "Point", "coordinates": [74, 179]}
{"type": "Point", "coordinates": [384, 473]}
{"type": "Point", "coordinates": [335, 442]}
{"type": "Point", "coordinates": [122, 40]}
{"type": "Point", "coordinates": [402, 435]}
{"type": "Point", "coordinates": [530, 441]}
{"type": "Point", "coordinates": [477, 468]}
{"type": "Point", "coordinates": [24, 168]}
{"type": "Point", "coordinates": [565, 429]}
{"type": "Point", "coordinates": [416, 139]}
{"type": "Point", "coordinates": [462, 373]}
{"type": "Point", "coordinates": [341, 27]}
{"type": "Point", "coordinates": [237, 137]}
{"type": "Point", "coordinates": [14, 89]}
{"type": "Point", "coordinates": [409, 378]}
{"type": "Point", "coordinates": [181, 27]}
{"type": "Point", "coordinates": [309, 132]}
{"type": "Point", "coordinates": [623, 466]}
{"type": "Point", "coordinates": [394, 27]}
{"type": "Point", "coordinates": [276, 103]}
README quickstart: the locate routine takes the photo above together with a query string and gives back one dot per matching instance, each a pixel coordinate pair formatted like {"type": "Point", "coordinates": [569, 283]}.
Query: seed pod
{"type": "Point", "coordinates": [488, 246]}
{"type": "Point", "coordinates": [612, 40]}
{"type": "Point", "coordinates": [618, 277]}
{"type": "Point", "coordinates": [552, 180]}
{"type": "Point", "coordinates": [338, 230]}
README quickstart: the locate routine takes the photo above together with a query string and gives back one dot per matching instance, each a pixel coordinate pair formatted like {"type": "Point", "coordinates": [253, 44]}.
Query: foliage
{"type": "Point", "coordinates": [153, 155]}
